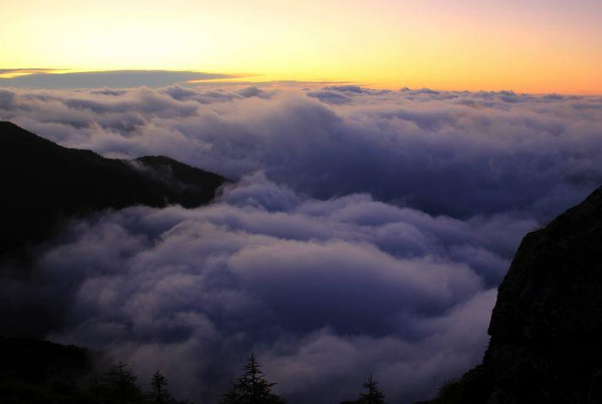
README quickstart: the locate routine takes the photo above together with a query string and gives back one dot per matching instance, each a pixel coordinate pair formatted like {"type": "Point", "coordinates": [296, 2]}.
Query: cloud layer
{"type": "Point", "coordinates": [366, 234]}
{"type": "Point", "coordinates": [324, 292]}
{"type": "Point", "coordinates": [449, 153]}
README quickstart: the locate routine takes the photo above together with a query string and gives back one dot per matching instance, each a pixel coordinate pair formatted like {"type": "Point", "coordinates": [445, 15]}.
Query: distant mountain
{"type": "Point", "coordinates": [43, 372]}
{"type": "Point", "coordinates": [546, 328]}
{"type": "Point", "coordinates": [42, 183]}
{"type": "Point", "coordinates": [42, 361]}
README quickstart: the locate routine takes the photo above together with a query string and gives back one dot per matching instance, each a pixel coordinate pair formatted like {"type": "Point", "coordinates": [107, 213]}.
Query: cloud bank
{"type": "Point", "coordinates": [324, 292]}
{"type": "Point", "coordinates": [366, 234]}
{"type": "Point", "coordinates": [444, 153]}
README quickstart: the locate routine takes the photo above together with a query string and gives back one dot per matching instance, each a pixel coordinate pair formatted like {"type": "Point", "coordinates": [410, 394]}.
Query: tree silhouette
{"type": "Point", "coordinates": [251, 387]}
{"type": "Point", "coordinates": [374, 395]}
{"type": "Point", "coordinates": [159, 393]}
{"type": "Point", "coordinates": [118, 385]}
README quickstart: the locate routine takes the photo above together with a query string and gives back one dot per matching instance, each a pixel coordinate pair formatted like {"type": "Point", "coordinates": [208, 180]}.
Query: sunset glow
{"type": "Point", "coordinates": [527, 46]}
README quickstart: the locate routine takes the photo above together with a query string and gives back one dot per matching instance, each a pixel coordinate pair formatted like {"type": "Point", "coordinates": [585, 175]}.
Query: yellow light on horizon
{"type": "Point", "coordinates": [463, 44]}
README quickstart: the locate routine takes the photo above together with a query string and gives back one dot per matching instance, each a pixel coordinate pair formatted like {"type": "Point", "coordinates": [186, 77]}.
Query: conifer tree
{"type": "Point", "coordinates": [159, 393]}
{"type": "Point", "coordinates": [118, 385]}
{"type": "Point", "coordinates": [373, 395]}
{"type": "Point", "coordinates": [251, 387]}
{"type": "Point", "coordinates": [94, 388]}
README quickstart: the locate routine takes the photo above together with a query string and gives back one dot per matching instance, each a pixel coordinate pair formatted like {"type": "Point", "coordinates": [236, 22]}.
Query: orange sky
{"type": "Point", "coordinates": [527, 46]}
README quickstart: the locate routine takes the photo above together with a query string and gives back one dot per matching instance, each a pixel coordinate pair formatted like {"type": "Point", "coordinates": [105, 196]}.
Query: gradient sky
{"type": "Point", "coordinates": [528, 45]}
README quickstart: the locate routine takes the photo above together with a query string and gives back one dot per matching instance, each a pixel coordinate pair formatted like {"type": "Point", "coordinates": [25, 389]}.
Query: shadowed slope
{"type": "Point", "coordinates": [42, 182]}
{"type": "Point", "coordinates": [41, 372]}
{"type": "Point", "coordinates": [546, 326]}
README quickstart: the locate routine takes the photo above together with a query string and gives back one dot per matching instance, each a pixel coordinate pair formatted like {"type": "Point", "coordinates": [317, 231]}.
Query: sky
{"type": "Point", "coordinates": [532, 46]}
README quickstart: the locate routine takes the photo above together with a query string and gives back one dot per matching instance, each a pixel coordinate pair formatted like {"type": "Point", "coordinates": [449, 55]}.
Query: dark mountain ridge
{"type": "Point", "coordinates": [42, 183]}
{"type": "Point", "coordinates": [41, 372]}
{"type": "Point", "coordinates": [546, 326]}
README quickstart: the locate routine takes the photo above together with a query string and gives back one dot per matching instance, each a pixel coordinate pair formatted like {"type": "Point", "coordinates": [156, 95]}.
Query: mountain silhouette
{"type": "Point", "coordinates": [43, 183]}
{"type": "Point", "coordinates": [546, 326]}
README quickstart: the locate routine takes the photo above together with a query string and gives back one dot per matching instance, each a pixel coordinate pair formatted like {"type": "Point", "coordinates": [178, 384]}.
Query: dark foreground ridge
{"type": "Point", "coordinates": [546, 327]}
{"type": "Point", "coordinates": [42, 183]}
{"type": "Point", "coordinates": [41, 372]}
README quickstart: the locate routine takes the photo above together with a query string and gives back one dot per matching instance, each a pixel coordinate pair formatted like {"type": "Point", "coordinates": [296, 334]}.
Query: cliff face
{"type": "Point", "coordinates": [546, 327]}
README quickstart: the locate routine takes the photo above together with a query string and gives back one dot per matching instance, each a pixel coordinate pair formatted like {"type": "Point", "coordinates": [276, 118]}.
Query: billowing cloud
{"type": "Point", "coordinates": [367, 231]}
{"type": "Point", "coordinates": [324, 291]}
{"type": "Point", "coordinates": [454, 153]}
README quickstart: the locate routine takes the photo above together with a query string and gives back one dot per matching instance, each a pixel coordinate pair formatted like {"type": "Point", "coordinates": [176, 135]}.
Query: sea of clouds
{"type": "Point", "coordinates": [365, 232]}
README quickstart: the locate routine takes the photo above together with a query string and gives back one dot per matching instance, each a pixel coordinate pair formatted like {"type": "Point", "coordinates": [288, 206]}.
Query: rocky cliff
{"type": "Point", "coordinates": [546, 327]}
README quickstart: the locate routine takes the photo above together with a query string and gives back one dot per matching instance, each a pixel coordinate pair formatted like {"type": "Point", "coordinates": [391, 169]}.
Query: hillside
{"type": "Point", "coordinates": [43, 372]}
{"type": "Point", "coordinates": [43, 183]}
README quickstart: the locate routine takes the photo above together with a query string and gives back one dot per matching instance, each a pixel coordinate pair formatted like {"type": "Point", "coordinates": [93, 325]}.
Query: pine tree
{"type": "Point", "coordinates": [118, 385]}
{"type": "Point", "coordinates": [251, 387]}
{"type": "Point", "coordinates": [94, 389]}
{"type": "Point", "coordinates": [374, 395]}
{"type": "Point", "coordinates": [159, 393]}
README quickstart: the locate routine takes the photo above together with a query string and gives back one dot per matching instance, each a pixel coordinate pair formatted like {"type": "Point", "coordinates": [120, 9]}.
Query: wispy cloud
{"type": "Point", "coordinates": [56, 79]}
{"type": "Point", "coordinates": [14, 73]}
{"type": "Point", "coordinates": [294, 84]}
